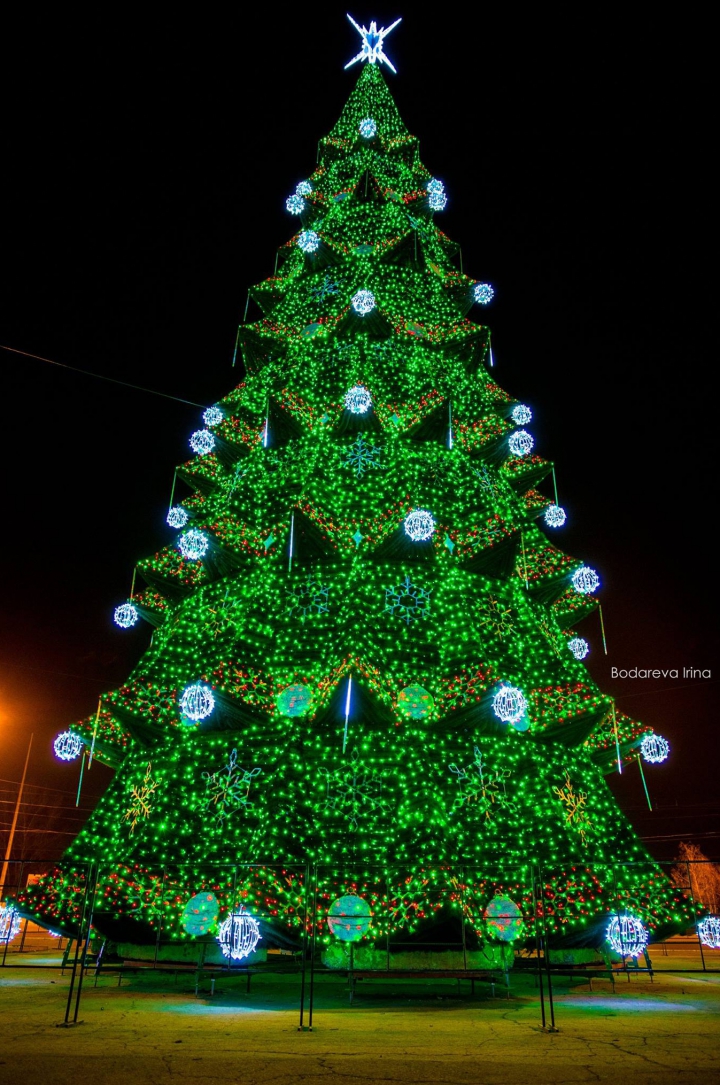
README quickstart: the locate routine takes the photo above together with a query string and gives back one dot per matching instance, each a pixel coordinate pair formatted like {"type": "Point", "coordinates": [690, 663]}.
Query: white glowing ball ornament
{"type": "Point", "coordinates": [308, 241]}
{"type": "Point", "coordinates": [579, 647]}
{"type": "Point", "coordinates": [585, 580]}
{"type": "Point", "coordinates": [655, 749]}
{"type": "Point", "coordinates": [197, 702]}
{"type": "Point", "coordinates": [437, 199]}
{"type": "Point", "coordinates": [126, 615]}
{"type": "Point", "coordinates": [239, 935]}
{"type": "Point", "coordinates": [193, 544]}
{"type": "Point", "coordinates": [202, 442]}
{"type": "Point", "coordinates": [709, 931]}
{"type": "Point", "coordinates": [555, 516]}
{"type": "Point", "coordinates": [303, 188]}
{"type": "Point", "coordinates": [509, 704]}
{"type": "Point", "coordinates": [9, 922]}
{"type": "Point", "coordinates": [368, 128]}
{"type": "Point", "coordinates": [419, 525]}
{"type": "Point", "coordinates": [363, 302]}
{"type": "Point", "coordinates": [213, 416]}
{"type": "Point", "coordinates": [177, 516]}
{"type": "Point", "coordinates": [521, 415]}
{"type": "Point", "coordinates": [627, 936]}
{"type": "Point", "coordinates": [520, 443]}
{"type": "Point", "coordinates": [358, 400]}
{"type": "Point", "coordinates": [67, 746]}
{"type": "Point", "coordinates": [483, 294]}
{"type": "Point", "coordinates": [295, 204]}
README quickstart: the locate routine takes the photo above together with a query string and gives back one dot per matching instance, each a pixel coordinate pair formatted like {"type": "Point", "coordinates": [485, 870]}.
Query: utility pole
{"type": "Point", "coordinates": [8, 850]}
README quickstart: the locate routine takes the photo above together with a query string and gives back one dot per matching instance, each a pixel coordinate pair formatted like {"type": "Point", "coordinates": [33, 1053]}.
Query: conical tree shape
{"type": "Point", "coordinates": [368, 604]}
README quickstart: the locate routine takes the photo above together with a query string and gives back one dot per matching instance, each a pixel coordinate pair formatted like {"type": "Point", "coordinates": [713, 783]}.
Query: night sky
{"type": "Point", "coordinates": [145, 181]}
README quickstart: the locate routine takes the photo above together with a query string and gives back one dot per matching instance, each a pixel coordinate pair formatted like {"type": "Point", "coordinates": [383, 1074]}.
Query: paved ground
{"type": "Point", "coordinates": [155, 1029]}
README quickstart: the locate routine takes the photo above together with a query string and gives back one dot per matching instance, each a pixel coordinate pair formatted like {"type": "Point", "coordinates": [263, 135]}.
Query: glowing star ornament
{"type": "Point", "coordinates": [200, 914]}
{"type": "Point", "coordinates": [509, 704]}
{"type": "Point", "coordinates": [419, 525]}
{"type": "Point", "coordinates": [579, 647]}
{"type": "Point", "coordinates": [197, 702]}
{"type": "Point", "coordinates": [294, 700]}
{"type": "Point", "coordinates": [67, 746]}
{"type": "Point", "coordinates": [239, 935]}
{"type": "Point", "coordinates": [9, 922]}
{"type": "Point", "coordinates": [295, 204]}
{"type": "Point", "coordinates": [585, 580]}
{"type": "Point", "coordinates": [483, 293]}
{"type": "Point", "coordinates": [304, 188]}
{"type": "Point", "coordinates": [368, 128]}
{"type": "Point", "coordinates": [177, 516]}
{"type": "Point", "coordinates": [358, 400]}
{"type": "Point", "coordinates": [193, 545]}
{"type": "Point", "coordinates": [503, 919]}
{"type": "Point", "coordinates": [202, 442]}
{"type": "Point", "coordinates": [555, 516]}
{"type": "Point", "coordinates": [709, 931]}
{"type": "Point", "coordinates": [308, 241]}
{"type": "Point", "coordinates": [627, 936]}
{"type": "Point", "coordinates": [415, 702]}
{"type": "Point", "coordinates": [349, 918]}
{"type": "Point", "coordinates": [372, 49]}
{"type": "Point", "coordinates": [655, 749]}
{"type": "Point", "coordinates": [213, 416]}
{"type": "Point", "coordinates": [363, 302]}
{"type": "Point", "coordinates": [126, 615]}
{"type": "Point", "coordinates": [521, 415]}
{"type": "Point", "coordinates": [520, 443]}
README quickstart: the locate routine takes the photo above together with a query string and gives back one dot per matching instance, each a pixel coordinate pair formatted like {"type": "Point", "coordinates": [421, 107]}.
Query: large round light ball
{"type": "Point", "coordinates": [358, 400]}
{"type": "Point", "coordinates": [503, 919]}
{"type": "Point", "coordinates": [193, 544]}
{"type": "Point", "coordinates": [627, 936]}
{"type": "Point", "coordinates": [200, 914]}
{"type": "Point", "coordinates": [303, 188]}
{"type": "Point", "coordinates": [9, 922]}
{"type": "Point", "coordinates": [213, 416]}
{"type": "Point", "coordinates": [509, 704]}
{"type": "Point", "coordinates": [521, 415]}
{"type": "Point", "coordinates": [437, 198]}
{"type": "Point", "coordinates": [520, 443]}
{"type": "Point", "coordinates": [555, 516]}
{"type": "Point", "coordinates": [67, 746]}
{"type": "Point", "coordinates": [585, 580]}
{"type": "Point", "coordinates": [367, 128]}
{"type": "Point", "coordinates": [434, 185]}
{"type": "Point", "coordinates": [295, 204]}
{"type": "Point", "coordinates": [308, 241]}
{"type": "Point", "coordinates": [709, 931]}
{"type": "Point", "coordinates": [177, 516]}
{"type": "Point", "coordinates": [126, 615]}
{"type": "Point", "coordinates": [415, 702]}
{"type": "Point", "coordinates": [294, 700]}
{"type": "Point", "coordinates": [419, 525]}
{"type": "Point", "coordinates": [483, 294]}
{"type": "Point", "coordinates": [363, 302]}
{"type": "Point", "coordinates": [654, 749]}
{"type": "Point", "coordinates": [238, 936]}
{"type": "Point", "coordinates": [197, 702]}
{"type": "Point", "coordinates": [202, 442]}
{"type": "Point", "coordinates": [349, 918]}
{"type": "Point", "coordinates": [579, 647]}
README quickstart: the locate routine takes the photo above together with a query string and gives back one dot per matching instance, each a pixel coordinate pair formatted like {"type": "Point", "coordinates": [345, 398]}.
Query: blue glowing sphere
{"type": "Point", "coordinates": [295, 204]}
{"type": "Point", "coordinates": [484, 294]}
{"type": "Point", "coordinates": [349, 918]}
{"type": "Point", "coordinates": [503, 919]}
{"type": "Point", "coordinates": [303, 188]}
{"type": "Point", "coordinates": [294, 700]}
{"type": "Point", "coordinates": [200, 914]}
{"type": "Point", "coordinates": [308, 241]}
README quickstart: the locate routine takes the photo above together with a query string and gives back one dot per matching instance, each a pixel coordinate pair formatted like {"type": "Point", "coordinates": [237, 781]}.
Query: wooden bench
{"type": "Point", "coordinates": [473, 975]}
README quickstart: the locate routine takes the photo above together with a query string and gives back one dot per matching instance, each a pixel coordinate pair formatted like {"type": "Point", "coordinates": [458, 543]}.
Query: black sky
{"type": "Point", "coordinates": [145, 178]}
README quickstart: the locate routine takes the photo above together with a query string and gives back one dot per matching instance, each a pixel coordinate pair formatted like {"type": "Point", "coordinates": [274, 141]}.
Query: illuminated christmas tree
{"type": "Point", "coordinates": [364, 653]}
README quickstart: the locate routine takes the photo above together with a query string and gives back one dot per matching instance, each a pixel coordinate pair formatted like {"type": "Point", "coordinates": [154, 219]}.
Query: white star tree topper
{"type": "Point", "coordinates": [372, 44]}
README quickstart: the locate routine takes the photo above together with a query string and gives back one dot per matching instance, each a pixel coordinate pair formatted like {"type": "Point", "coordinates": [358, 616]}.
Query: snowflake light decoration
{"type": "Point", "coordinates": [358, 400]}
{"type": "Point", "coordinates": [555, 516]}
{"type": "Point", "coordinates": [303, 188]}
{"type": "Point", "coordinates": [509, 704]}
{"type": "Point", "coordinates": [483, 293]}
{"type": "Point", "coordinates": [193, 545]}
{"type": "Point", "coordinates": [326, 289]}
{"type": "Point", "coordinates": [363, 302]}
{"type": "Point", "coordinates": [408, 601]}
{"type": "Point", "coordinates": [9, 921]}
{"type": "Point", "coordinates": [354, 791]}
{"type": "Point", "coordinates": [310, 597]}
{"type": "Point", "coordinates": [126, 615]}
{"type": "Point", "coordinates": [521, 415]}
{"type": "Point", "coordinates": [229, 790]}
{"type": "Point", "coordinates": [579, 647]}
{"type": "Point", "coordinates": [520, 443]}
{"type": "Point", "coordinates": [177, 516]}
{"type": "Point", "coordinates": [372, 49]}
{"type": "Point", "coordinates": [67, 746]}
{"type": "Point", "coordinates": [294, 700]}
{"type": "Point", "coordinates": [709, 931]}
{"type": "Point", "coordinates": [197, 702]}
{"type": "Point", "coordinates": [239, 935]}
{"type": "Point", "coordinates": [202, 442]}
{"type": "Point", "coordinates": [367, 128]}
{"type": "Point", "coordinates": [141, 799]}
{"type": "Point", "coordinates": [574, 802]}
{"type": "Point", "coordinates": [362, 456]}
{"type": "Point", "coordinates": [295, 204]}
{"type": "Point", "coordinates": [585, 580]}
{"type": "Point", "coordinates": [213, 416]}
{"type": "Point", "coordinates": [655, 749]}
{"type": "Point", "coordinates": [497, 617]}
{"type": "Point", "coordinates": [486, 790]}
{"type": "Point", "coordinates": [627, 936]}
{"type": "Point", "coordinates": [419, 525]}
{"type": "Point", "coordinates": [308, 241]}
